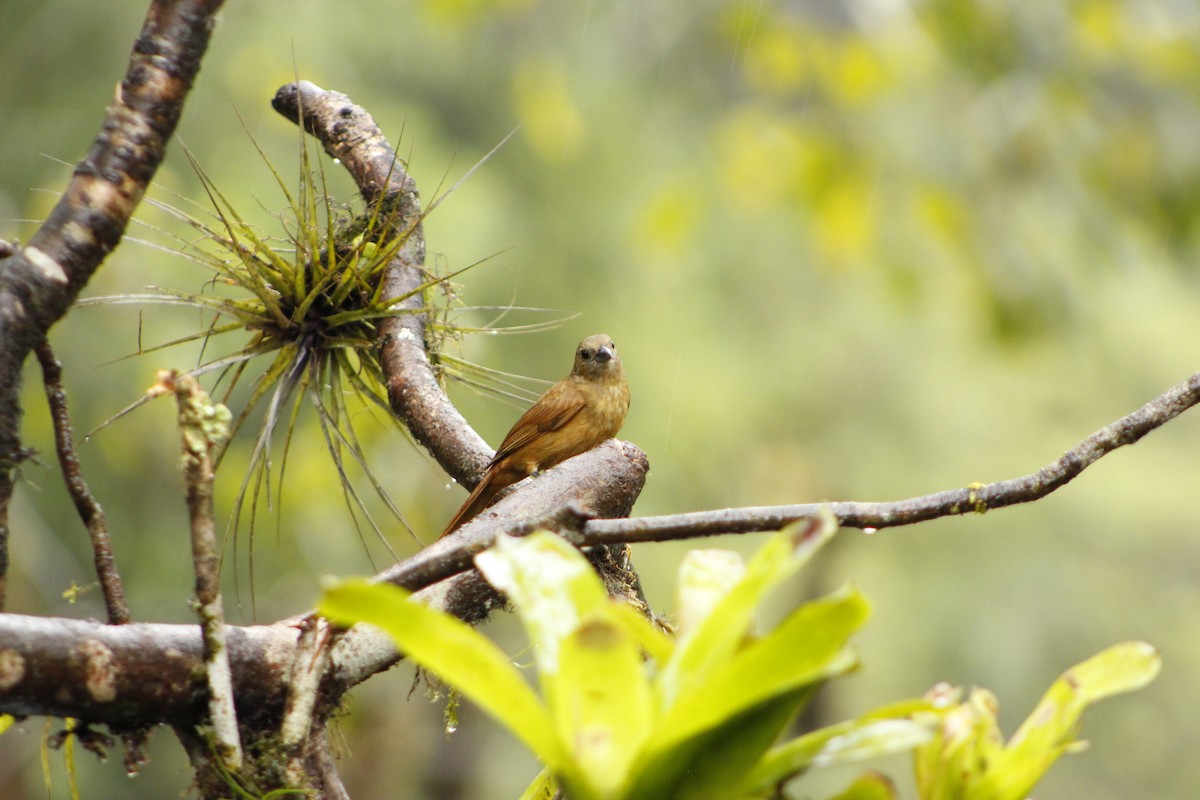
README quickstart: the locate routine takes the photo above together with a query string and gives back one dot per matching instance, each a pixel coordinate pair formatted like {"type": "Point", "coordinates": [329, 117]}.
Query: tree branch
{"type": "Point", "coordinates": [976, 498]}
{"type": "Point", "coordinates": [40, 281]}
{"type": "Point", "coordinates": [154, 673]}
{"type": "Point", "coordinates": [603, 482]}
{"type": "Point", "coordinates": [309, 665]}
{"type": "Point", "coordinates": [130, 676]}
{"type": "Point", "coordinates": [90, 510]}
{"type": "Point", "coordinates": [203, 427]}
{"type": "Point", "coordinates": [349, 134]}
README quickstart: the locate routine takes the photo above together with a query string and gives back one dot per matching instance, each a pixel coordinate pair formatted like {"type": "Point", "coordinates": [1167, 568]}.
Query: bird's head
{"type": "Point", "coordinates": [596, 359]}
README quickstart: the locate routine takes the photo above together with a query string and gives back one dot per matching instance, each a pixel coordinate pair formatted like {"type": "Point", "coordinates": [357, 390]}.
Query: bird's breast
{"type": "Point", "coordinates": [599, 419]}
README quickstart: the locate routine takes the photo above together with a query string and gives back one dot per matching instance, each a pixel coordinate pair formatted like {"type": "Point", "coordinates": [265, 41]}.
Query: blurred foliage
{"type": "Point", "coordinates": [968, 759]}
{"type": "Point", "coordinates": [849, 250]}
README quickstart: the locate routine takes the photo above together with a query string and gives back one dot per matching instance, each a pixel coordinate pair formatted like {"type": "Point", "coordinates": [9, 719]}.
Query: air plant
{"type": "Point", "coordinates": [308, 307]}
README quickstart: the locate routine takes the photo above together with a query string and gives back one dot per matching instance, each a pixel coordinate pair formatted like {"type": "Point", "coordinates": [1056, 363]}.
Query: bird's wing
{"type": "Point", "coordinates": [555, 408]}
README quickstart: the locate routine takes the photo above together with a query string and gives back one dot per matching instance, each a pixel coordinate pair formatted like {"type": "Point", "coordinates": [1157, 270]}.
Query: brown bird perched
{"type": "Point", "coordinates": [573, 416]}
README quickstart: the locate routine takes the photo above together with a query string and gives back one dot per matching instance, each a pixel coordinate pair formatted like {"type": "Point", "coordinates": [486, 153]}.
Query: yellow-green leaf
{"type": "Point", "coordinates": [601, 705]}
{"type": "Point", "coordinates": [867, 737]}
{"type": "Point", "coordinates": [871, 786]}
{"type": "Point", "coordinates": [807, 647]}
{"type": "Point", "coordinates": [551, 585]}
{"type": "Point", "coordinates": [1050, 730]}
{"type": "Point", "coordinates": [464, 658]}
{"type": "Point", "coordinates": [710, 645]}
{"type": "Point", "coordinates": [544, 787]}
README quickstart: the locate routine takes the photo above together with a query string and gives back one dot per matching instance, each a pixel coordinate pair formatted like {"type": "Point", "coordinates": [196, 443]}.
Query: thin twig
{"type": "Point", "coordinates": [975, 498]}
{"type": "Point", "coordinates": [89, 508]}
{"type": "Point", "coordinates": [310, 661]}
{"type": "Point", "coordinates": [204, 426]}
{"type": "Point", "coordinates": [325, 767]}
{"type": "Point", "coordinates": [548, 502]}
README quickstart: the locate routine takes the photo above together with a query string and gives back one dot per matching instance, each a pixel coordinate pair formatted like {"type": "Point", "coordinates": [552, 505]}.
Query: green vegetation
{"type": "Point", "coordinates": [854, 251]}
{"type": "Point", "coordinates": [699, 719]}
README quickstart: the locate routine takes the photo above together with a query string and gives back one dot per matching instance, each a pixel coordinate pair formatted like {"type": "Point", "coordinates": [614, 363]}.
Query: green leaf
{"type": "Point", "coordinates": [449, 647]}
{"type": "Point", "coordinates": [1050, 730]}
{"type": "Point", "coordinates": [654, 642]}
{"type": "Point", "coordinates": [967, 740]}
{"type": "Point", "coordinates": [712, 643]}
{"type": "Point", "coordinates": [846, 742]}
{"type": "Point", "coordinates": [808, 647]}
{"type": "Point", "coordinates": [967, 758]}
{"type": "Point", "coordinates": [544, 787]}
{"type": "Point", "coordinates": [713, 736]}
{"type": "Point", "coordinates": [705, 578]}
{"type": "Point", "coordinates": [601, 703]}
{"type": "Point", "coordinates": [591, 667]}
{"type": "Point", "coordinates": [712, 764]}
{"type": "Point", "coordinates": [871, 786]}
{"type": "Point", "coordinates": [549, 583]}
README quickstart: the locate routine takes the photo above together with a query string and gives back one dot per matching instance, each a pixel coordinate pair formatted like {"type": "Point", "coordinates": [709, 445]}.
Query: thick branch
{"type": "Point", "coordinates": [600, 483]}
{"type": "Point", "coordinates": [39, 281]}
{"type": "Point", "coordinates": [134, 675]}
{"type": "Point", "coordinates": [309, 666]}
{"type": "Point", "coordinates": [349, 134]}
{"type": "Point", "coordinates": [976, 498]}
{"type": "Point", "coordinates": [141, 674]}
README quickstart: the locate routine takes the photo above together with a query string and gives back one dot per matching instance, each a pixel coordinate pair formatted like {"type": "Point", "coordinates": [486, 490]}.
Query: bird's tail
{"type": "Point", "coordinates": [478, 500]}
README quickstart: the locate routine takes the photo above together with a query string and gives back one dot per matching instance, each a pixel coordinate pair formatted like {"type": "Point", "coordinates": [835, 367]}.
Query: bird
{"type": "Point", "coordinates": [574, 415]}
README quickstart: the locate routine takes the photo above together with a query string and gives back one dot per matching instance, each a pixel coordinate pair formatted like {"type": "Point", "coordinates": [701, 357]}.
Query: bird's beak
{"type": "Point", "coordinates": [604, 354]}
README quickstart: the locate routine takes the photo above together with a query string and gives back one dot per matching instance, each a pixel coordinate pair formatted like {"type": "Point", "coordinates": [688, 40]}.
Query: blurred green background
{"type": "Point", "coordinates": [860, 250]}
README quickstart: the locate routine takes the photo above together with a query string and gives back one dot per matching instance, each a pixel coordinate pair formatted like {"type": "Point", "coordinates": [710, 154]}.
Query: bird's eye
{"type": "Point", "coordinates": [585, 354]}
